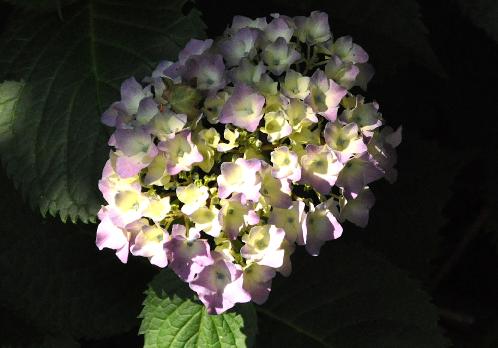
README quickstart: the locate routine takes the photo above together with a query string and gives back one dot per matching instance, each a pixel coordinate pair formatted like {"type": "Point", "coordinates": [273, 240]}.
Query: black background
{"type": "Point", "coordinates": [449, 117]}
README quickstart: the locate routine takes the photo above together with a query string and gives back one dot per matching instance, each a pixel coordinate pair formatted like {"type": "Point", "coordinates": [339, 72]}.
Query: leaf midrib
{"type": "Point", "coordinates": [93, 55]}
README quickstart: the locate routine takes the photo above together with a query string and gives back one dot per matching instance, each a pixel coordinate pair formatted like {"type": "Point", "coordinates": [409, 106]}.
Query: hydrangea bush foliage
{"type": "Point", "coordinates": [224, 160]}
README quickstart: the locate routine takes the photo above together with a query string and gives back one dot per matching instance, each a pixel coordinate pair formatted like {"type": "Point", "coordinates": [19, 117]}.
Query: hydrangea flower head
{"type": "Point", "coordinates": [248, 145]}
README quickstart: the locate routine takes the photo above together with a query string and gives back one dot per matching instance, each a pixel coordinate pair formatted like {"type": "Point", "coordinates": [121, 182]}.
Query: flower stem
{"type": "Point", "coordinates": [469, 235]}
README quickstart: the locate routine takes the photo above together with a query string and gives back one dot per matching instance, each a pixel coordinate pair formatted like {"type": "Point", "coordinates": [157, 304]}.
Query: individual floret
{"type": "Point", "coordinates": [243, 109]}
{"type": "Point", "coordinates": [262, 245]}
{"type": "Point", "coordinates": [220, 285]}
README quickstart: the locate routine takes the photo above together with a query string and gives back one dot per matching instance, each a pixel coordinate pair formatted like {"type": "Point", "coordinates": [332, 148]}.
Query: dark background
{"type": "Point", "coordinates": [446, 193]}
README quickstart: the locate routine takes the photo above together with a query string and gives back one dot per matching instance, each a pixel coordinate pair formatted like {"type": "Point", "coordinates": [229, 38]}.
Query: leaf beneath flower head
{"type": "Point", "coordinates": [71, 72]}
{"type": "Point", "coordinates": [173, 317]}
{"type": "Point", "coordinates": [348, 297]}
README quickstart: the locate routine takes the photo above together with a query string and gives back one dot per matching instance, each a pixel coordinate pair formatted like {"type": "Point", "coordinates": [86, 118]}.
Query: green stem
{"type": "Point", "coordinates": [267, 147]}
{"type": "Point", "coordinates": [308, 58]}
{"type": "Point", "coordinates": [187, 222]}
{"type": "Point", "coordinates": [299, 61]}
{"type": "Point", "coordinates": [469, 235]}
{"type": "Point", "coordinates": [336, 196]}
{"type": "Point", "coordinates": [320, 63]}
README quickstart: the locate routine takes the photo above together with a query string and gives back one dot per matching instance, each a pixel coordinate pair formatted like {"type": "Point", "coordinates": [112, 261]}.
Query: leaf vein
{"type": "Point", "coordinates": [293, 326]}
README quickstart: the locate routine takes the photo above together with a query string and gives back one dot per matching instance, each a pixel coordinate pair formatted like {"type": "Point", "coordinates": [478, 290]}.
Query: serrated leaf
{"type": "Point", "coordinates": [173, 317]}
{"type": "Point", "coordinates": [72, 72]}
{"type": "Point", "coordinates": [9, 96]}
{"type": "Point", "coordinates": [53, 277]}
{"type": "Point", "coordinates": [483, 13]}
{"type": "Point", "coordinates": [348, 297]}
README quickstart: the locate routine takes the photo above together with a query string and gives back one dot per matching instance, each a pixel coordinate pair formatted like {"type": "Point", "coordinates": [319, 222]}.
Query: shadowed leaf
{"type": "Point", "coordinates": [53, 277]}
{"type": "Point", "coordinates": [72, 72]}
{"type": "Point", "coordinates": [483, 13]}
{"type": "Point", "coordinates": [348, 298]}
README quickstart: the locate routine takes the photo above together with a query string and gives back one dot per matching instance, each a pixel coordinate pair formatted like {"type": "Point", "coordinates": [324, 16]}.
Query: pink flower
{"type": "Point", "coordinates": [149, 242]}
{"type": "Point", "coordinates": [345, 140]}
{"type": "Point", "coordinates": [263, 245]}
{"type": "Point", "coordinates": [111, 236]}
{"type": "Point", "coordinates": [181, 153]}
{"type": "Point", "coordinates": [257, 282]}
{"type": "Point", "coordinates": [220, 285]}
{"type": "Point", "coordinates": [321, 226]}
{"type": "Point", "coordinates": [320, 168]}
{"type": "Point", "coordinates": [234, 215]}
{"type": "Point", "coordinates": [325, 95]}
{"type": "Point", "coordinates": [243, 109]}
{"type": "Point", "coordinates": [188, 254]}
{"type": "Point", "coordinates": [357, 210]}
{"type": "Point", "coordinates": [292, 219]}
{"type": "Point", "coordinates": [240, 177]}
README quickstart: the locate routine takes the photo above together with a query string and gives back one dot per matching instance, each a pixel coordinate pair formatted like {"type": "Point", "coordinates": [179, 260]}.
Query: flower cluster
{"type": "Point", "coordinates": [224, 160]}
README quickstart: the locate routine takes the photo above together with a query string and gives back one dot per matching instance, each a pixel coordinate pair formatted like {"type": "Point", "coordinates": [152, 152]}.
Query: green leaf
{"type": "Point", "coordinates": [348, 297]}
{"type": "Point", "coordinates": [173, 317]}
{"type": "Point", "coordinates": [391, 31]}
{"type": "Point", "coordinates": [72, 71]}
{"type": "Point", "coordinates": [483, 13]}
{"type": "Point", "coordinates": [54, 278]}
{"type": "Point", "coordinates": [9, 96]}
